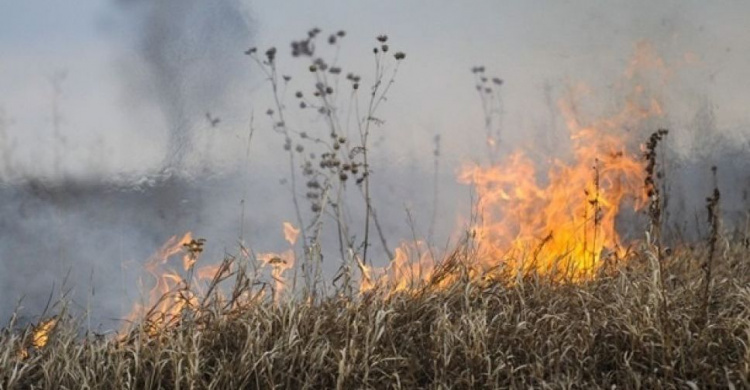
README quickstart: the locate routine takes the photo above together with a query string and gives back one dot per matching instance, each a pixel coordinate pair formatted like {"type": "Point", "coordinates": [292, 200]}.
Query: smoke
{"type": "Point", "coordinates": [84, 236]}
{"type": "Point", "coordinates": [188, 63]}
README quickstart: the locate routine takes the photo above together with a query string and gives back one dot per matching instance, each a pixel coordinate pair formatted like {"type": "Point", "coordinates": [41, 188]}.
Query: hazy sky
{"type": "Point", "coordinates": [527, 43]}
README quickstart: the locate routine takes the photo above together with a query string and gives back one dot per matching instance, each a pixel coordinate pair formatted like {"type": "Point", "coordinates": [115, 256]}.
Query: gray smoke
{"type": "Point", "coordinates": [189, 64]}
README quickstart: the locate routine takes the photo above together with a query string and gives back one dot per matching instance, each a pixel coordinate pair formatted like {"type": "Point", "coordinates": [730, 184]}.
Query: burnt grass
{"type": "Point", "coordinates": [627, 328]}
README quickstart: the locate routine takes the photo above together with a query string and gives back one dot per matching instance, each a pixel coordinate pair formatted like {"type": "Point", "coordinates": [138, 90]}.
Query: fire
{"type": "Point", "coordinates": [169, 296]}
{"type": "Point", "coordinates": [564, 222]}
{"type": "Point", "coordinates": [404, 272]}
{"type": "Point", "coordinates": [561, 222]}
{"type": "Point", "coordinates": [40, 337]}
{"type": "Point", "coordinates": [279, 263]}
{"type": "Point", "coordinates": [564, 225]}
{"type": "Point", "coordinates": [290, 233]}
{"type": "Point", "coordinates": [174, 292]}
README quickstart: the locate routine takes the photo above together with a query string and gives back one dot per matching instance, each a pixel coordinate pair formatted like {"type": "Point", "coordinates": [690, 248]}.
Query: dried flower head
{"type": "Point", "coordinates": [271, 54]}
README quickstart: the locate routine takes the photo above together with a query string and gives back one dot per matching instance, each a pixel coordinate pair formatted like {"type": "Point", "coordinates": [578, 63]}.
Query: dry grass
{"type": "Point", "coordinates": [529, 333]}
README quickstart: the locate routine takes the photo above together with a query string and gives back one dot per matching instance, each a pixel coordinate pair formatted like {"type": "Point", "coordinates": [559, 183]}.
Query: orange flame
{"type": "Point", "coordinates": [164, 303]}
{"type": "Point", "coordinates": [174, 293]}
{"type": "Point", "coordinates": [290, 233]}
{"type": "Point", "coordinates": [412, 263]}
{"type": "Point", "coordinates": [40, 337]}
{"type": "Point", "coordinates": [279, 263]}
{"type": "Point", "coordinates": [562, 223]}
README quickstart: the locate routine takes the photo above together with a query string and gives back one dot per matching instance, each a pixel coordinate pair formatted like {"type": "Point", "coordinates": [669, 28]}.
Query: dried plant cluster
{"type": "Point", "coordinates": [470, 334]}
{"type": "Point", "coordinates": [330, 148]}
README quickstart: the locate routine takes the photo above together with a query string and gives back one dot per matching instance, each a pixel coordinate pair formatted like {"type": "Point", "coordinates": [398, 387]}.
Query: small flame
{"type": "Point", "coordinates": [163, 303]}
{"type": "Point", "coordinates": [40, 337]}
{"type": "Point", "coordinates": [290, 233]}
{"type": "Point", "coordinates": [279, 263]}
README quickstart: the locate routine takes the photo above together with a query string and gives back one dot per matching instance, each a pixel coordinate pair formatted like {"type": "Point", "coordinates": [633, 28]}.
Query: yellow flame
{"type": "Point", "coordinates": [40, 337]}
{"type": "Point", "coordinates": [558, 222]}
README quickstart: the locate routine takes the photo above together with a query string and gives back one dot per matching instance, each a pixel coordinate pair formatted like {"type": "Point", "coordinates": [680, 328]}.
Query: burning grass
{"type": "Point", "coordinates": [542, 292]}
{"type": "Point", "coordinates": [470, 333]}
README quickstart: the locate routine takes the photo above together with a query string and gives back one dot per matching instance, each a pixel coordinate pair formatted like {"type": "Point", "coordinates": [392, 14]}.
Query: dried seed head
{"type": "Point", "coordinates": [382, 38]}
{"type": "Point", "coordinates": [271, 54]}
{"type": "Point", "coordinates": [399, 55]}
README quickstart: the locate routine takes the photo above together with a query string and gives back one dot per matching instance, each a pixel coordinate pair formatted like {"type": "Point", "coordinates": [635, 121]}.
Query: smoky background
{"type": "Point", "coordinates": [100, 167]}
